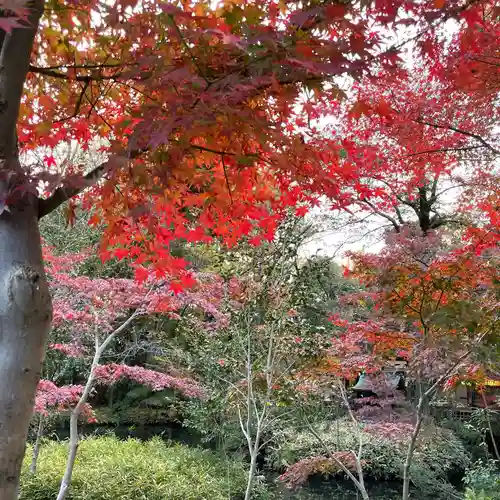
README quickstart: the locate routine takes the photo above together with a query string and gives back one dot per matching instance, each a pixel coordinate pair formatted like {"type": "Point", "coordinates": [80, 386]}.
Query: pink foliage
{"type": "Point", "coordinates": [85, 306]}
{"type": "Point", "coordinates": [410, 245]}
{"type": "Point", "coordinates": [82, 304]}
{"type": "Point", "coordinates": [63, 263]}
{"type": "Point", "coordinates": [395, 431]}
{"type": "Point", "coordinates": [50, 397]}
{"type": "Point", "coordinates": [207, 296]}
{"type": "Point", "coordinates": [111, 373]}
{"type": "Point", "coordinates": [72, 350]}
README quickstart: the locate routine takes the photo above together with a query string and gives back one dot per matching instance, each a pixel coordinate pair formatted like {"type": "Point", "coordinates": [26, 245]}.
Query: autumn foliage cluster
{"type": "Point", "coordinates": [212, 120]}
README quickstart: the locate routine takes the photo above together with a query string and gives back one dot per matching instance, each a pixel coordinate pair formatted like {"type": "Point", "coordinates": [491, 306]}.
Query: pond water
{"type": "Point", "coordinates": [335, 489]}
{"type": "Point", "coordinates": [143, 432]}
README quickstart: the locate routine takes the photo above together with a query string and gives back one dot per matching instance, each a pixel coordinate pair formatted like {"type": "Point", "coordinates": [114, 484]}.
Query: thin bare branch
{"type": "Point", "coordinates": [477, 137]}
{"type": "Point", "coordinates": [392, 220]}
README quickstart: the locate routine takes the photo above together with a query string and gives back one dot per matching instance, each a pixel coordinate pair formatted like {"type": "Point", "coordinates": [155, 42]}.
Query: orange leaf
{"type": "Point", "coordinates": [360, 108]}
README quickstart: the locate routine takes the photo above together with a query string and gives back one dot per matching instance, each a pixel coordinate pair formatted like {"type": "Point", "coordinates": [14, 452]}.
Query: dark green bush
{"type": "Point", "coordinates": [471, 437]}
{"type": "Point", "coordinates": [109, 469]}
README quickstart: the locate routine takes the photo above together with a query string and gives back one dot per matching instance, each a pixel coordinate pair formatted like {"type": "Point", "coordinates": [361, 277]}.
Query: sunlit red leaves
{"type": "Point", "coordinates": [220, 125]}
{"type": "Point", "coordinates": [50, 161]}
{"type": "Point", "coordinates": [141, 273]}
{"type": "Point", "coordinates": [408, 129]}
{"type": "Point", "coordinates": [217, 200]}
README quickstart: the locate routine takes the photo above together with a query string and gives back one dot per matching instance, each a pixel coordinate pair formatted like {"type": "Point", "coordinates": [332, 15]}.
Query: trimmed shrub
{"type": "Point", "coordinates": [109, 469]}
{"type": "Point", "coordinates": [439, 453]}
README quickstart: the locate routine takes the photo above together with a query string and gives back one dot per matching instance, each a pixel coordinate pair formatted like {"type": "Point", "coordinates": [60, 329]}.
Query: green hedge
{"type": "Point", "coordinates": [109, 469]}
{"type": "Point", "coordinates": [439, 454]}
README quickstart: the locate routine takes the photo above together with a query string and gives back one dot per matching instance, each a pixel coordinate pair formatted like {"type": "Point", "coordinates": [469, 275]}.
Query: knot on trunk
{"type": "Point", "coordinates": [27, 288]}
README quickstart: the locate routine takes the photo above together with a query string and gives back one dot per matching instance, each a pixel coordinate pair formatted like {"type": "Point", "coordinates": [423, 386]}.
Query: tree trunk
{"type": "Point", "coordinates": [73, 427]}
{"type": "Point", "coordinates": [25, 317]}
{"type": "Point", "coordinates": [70, 463]}
{"type": "Point", "coordinates": [411, 449]}
{"type": "Point", "coordinates": [361, 477]}
{"type": "Point", "coordinates": [251, 473]}
{"type": "Point", "coordinates": [77, 410]}
{"type": "Point", "coordinates": [36, 447]}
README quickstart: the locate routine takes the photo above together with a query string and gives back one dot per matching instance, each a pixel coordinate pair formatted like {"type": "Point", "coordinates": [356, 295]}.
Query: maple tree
{"type": "Point", "coordinates": [431, 298]}
{"type": "Point", "coordinates": [438, 310]}
{"type": "Point", "coordinates": [408, 141]}
{"type": "Point", "coordinates": [90, 313]}
{"type": "Point", "coordinates": [435, 307]}
{"type": "Point", "coordinates": [421, 145]}
{"type": "Point", "coordinates": [51, 399]}
{"type": "Point", "coordinates": [415, 140]}
{"type": "Point", "coordinates": [196, 107]}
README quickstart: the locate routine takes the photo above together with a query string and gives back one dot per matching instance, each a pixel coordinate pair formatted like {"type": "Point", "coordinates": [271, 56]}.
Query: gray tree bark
{"type": "Point", "coordinates": [25, 317]}
{"type": "Point", "coordinates": [25, 305]}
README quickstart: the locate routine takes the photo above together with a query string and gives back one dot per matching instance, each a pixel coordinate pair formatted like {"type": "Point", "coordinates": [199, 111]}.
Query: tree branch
{"type": "Point", "coordinates": [333, 457]}
{"type": "Point", "coordinates": [384, 215]}
{"type": "Point", "coordinates": [438, 221]}
{"type": "Point", "coordinates": [3, 34]}
{"type": "Point", "coordinates": [399, 215]}
{"type": "Point", "coordinates": [477, 137]}
{"type": "Point", "coordinates": [441, 150]}
{"type": "Point", "coordinates": [424, 398]}
{"type": "Point", "coordinates": [80, 66]}
{"type": "Point", "coordinates": [64, 76]}
{"type": "Point", "coordinates": [65, 193]}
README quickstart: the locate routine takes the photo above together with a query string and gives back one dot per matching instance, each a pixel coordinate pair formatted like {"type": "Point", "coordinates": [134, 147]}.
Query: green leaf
{"type": "Point", "coordinates": [245, 160]}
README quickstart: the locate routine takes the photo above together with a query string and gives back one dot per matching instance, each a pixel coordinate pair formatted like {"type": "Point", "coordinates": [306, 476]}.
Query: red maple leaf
{"type": "Point", "coordinates": [50, 161]}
